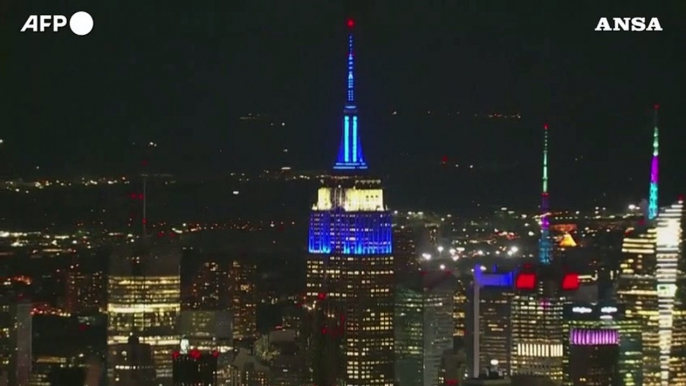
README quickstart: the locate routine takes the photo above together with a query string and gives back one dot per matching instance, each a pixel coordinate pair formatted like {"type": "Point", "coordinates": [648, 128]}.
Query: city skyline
{"type": "Point", "coordinates": [184, 201]}
{"type": "Point", "coordinates": [438, 61]}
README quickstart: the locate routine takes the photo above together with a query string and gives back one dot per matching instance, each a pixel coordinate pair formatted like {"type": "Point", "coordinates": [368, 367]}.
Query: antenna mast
{"type": "Point", "coordinates": [652, 201]}
{"type": "Point", "coordinates": [544, 247]}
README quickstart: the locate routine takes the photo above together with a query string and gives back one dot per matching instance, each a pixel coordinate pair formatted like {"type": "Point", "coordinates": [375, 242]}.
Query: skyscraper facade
{"type": "Point", "coordinates": [350, 261]}
{"type": "Point", "coordinates": [678, 360]}
{"type": "Point", "coordinates": [601, 345]}
{"type": "Point", "coordinates": [637, 286]}
{"type": "Point", "coordinates": [669, 249]}
{"type": "Point", "coordinates": [15, 340]}
{"type": "Point", "coordinates": [144, 290]}
{"type": "Point", "coordinates": [491, 319]}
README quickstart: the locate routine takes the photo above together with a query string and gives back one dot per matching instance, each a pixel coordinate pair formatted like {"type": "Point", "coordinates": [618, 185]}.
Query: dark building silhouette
{"type": "Point", "coordinates": [194, 369]}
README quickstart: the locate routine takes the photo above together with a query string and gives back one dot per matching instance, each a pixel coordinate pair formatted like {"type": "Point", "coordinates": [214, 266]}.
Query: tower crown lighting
{"type": "Point", "coordinates": [350, 156]}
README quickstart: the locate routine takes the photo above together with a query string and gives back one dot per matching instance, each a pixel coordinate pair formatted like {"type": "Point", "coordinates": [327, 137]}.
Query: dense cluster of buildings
{"type": "Point", "coordinates": [373, 312]}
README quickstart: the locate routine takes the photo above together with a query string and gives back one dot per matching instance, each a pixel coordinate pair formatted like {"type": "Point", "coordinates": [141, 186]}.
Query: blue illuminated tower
{"type": "Point", "coordinates": [350, 265]}
{"type": "Point", "coordinates": [544, 244]}
{"type": "Point", "coordinates": [350, 153]}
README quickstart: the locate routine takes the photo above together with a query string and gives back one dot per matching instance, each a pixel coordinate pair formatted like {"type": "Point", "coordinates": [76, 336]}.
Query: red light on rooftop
{"type": "Point", "coordinates": [83, 327]}
{"type": "Point", "coordinates": [216, 354]}
{"type": "Point", "coordinates": [681, 198]}
{"type": "Point", "coordinates": [351, 23]}
{"type": "Point", "coordinates": [140, 196]}
{"type": "Point", "coordinates": [195, 354]}
{"type": "Point", "coordinates": [526, 281]}
{"type": "Point", "coordinates": [545, 126]}
{"type": "Point", "coordinates": [451, 382]}
{"type": "Point", "coordinates": [324, 331]}
{"type": "Point", "coordinates": [321, 296]}
{"type": "Point", "coordinates": [444, 159]}
{"type": "Point", "coordinates": [570, 282]}
{"type": "Point", "coordinates": [656, 107]}
{"type": "Point", "coordinates": [175, 354]}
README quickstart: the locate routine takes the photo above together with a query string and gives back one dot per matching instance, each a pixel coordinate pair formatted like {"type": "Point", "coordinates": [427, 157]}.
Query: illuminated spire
{"type": "Point", "coordinates": [544, 244]}
{"type": "Point", "coordinates": [350, 154]}
{"type": "Point", "coordinates": [652, 200]}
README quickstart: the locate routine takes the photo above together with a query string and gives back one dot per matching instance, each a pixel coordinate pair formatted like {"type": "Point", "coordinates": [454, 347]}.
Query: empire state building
{"type": "Point", "coordinates": [350, 279]}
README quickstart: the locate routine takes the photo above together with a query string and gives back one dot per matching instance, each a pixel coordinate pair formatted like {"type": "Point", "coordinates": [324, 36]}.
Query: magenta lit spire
{"type": "Point", "coordinates": [652, 200]}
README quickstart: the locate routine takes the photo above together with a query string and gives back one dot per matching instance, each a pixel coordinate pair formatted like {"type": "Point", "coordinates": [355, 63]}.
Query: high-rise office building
{"type": "Point", "coordinates": [423, 327]}
{"type": "Point", "coordinates": [195, 368]}
{"type": "Point", "coordinates": [220, 281]}
{"type": "Point", "coordinates": [131, 364]}
{"type": "Point", "coordinates": [145, 300]}
{"type": "Point", "coordinates": [409, 335]}
{"type": "Point", "coordinates": [406, 239]}
{"type": "Point", "coordinates": [85, 290]}
{"type": "Point", "coordinates": [350, 259]}
{"type": "Point", "coordinates": [637, 285]}
{"type": "Point", "coordinates": [490, 319]}
{"type": "Point", "coordinates": [15, 340]}
{"type": "Point", "coordinates": [669, 255]}
{"type": "Point", "coordinates": [243, 298]}
{"type": "Point", "coordinates": [601, 346]}
{"type": "Point", "coordinates": [540, 294]}
{"type": "Point", "coordinates": [537, 320]}
{"type": "Point", "coordinates": [209, 331]}
{"type": "Point", "coordinates": [460, 304]}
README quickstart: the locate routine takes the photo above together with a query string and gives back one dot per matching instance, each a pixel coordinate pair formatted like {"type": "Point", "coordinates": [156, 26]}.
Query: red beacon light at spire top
{"type": "Point", "coordinates": [656, 106]}
{"type": "Point", "coordinates": [351, 23]}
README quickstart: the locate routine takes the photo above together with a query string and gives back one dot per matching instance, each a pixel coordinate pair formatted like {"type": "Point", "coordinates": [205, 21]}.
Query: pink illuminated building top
{"type": "Point", "coordinates": [590, 337]}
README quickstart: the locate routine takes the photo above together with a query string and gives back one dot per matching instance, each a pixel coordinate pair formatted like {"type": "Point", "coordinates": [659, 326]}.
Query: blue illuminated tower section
{"type": "Point", "coordinates": [350, 267]}
{"type": "Point", "coordinates": [350, 155]}
{"type": "Point", "coordinates": [544, 244]}
{"type": "Point", "coordinates": [652, 201]}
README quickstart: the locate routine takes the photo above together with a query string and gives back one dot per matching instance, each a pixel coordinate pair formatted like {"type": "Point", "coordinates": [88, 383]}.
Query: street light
{"type": "Point", "coordinates": [426, 256]}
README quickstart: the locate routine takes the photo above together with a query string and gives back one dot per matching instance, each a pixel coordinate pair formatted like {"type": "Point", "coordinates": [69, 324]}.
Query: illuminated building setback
{"type": "Point", "coordinates": [668, 251]}
{"type": "Point", "coordinates": [350, 263]}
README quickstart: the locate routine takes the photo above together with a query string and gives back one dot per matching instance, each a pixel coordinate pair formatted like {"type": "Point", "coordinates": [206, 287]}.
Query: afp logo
{"type": "Point", "coordinates": [635, 24]}
{"type": "Point", "coordinates": [80, 23]}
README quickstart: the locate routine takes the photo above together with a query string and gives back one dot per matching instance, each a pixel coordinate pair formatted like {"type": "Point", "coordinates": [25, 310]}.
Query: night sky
{"type": "Point", "coordinates": [181, 73]}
